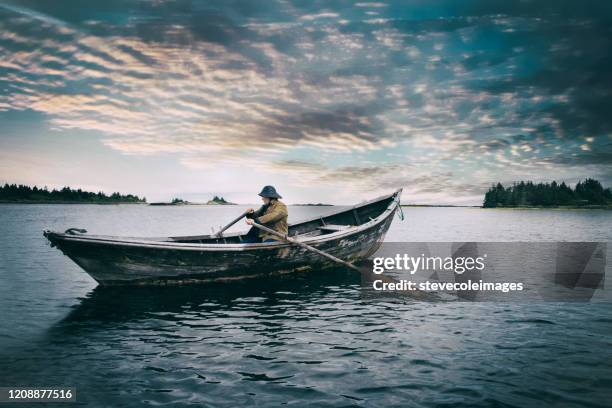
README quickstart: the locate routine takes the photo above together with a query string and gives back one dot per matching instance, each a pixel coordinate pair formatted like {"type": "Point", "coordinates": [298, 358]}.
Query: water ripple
{"type": "Point", "coordinates": [315, 339]}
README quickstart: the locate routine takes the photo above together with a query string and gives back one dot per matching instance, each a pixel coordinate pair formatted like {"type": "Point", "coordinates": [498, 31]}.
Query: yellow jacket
{"type": "Point", "coordinates": [274, 216]}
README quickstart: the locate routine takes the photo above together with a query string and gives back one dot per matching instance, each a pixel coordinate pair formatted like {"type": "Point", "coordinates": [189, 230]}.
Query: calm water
{"type": "Point", "coordinates": [316, 338]}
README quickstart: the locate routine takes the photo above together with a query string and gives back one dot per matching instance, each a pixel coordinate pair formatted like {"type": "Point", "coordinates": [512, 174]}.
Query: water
{"type": "Point", "coordinates": [309, 338]}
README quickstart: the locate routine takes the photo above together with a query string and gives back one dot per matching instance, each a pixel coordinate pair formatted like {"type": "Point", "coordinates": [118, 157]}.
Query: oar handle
{"type": "Point", "coordinates": [218, 234]}
{"type": "Point", "coordinates": [305, 246]}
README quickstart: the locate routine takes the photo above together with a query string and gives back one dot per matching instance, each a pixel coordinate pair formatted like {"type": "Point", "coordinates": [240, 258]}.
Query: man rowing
{"type": "Point", "coordinates": [272, 214]}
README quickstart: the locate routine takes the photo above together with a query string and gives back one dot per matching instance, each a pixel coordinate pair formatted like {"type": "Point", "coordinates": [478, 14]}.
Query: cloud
{"type": "Point", "coordinates": [371, 4]}
{"type": "Point", "coordinates": [501, 87]}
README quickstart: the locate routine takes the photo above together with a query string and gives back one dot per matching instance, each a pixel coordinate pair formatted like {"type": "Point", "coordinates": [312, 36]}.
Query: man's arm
{"type": "Point", "coordinates": [256, 213]}
{"type": "Point", "coordinates": [274, 215]}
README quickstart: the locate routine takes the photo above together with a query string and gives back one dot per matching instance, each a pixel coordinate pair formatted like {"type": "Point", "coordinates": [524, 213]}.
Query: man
{"type": "Point", "coordinates": [272, 214]}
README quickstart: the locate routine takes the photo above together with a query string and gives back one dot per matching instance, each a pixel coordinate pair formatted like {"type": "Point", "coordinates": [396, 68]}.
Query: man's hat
{"type": "Point", "coordinates": [270, 192]}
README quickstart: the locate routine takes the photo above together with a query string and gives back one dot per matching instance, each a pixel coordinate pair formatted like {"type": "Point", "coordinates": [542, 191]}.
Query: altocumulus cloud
{"type": "Point", "coordinates": [442, 98]}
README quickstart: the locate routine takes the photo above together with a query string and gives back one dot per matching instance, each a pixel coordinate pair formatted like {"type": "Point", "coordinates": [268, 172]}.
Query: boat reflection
{"type": "Point", "coordinates": [116, 304]}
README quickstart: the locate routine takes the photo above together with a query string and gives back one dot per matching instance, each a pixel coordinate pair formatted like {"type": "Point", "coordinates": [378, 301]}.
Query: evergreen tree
{"type": "Point", "coordinates": [587, 192]}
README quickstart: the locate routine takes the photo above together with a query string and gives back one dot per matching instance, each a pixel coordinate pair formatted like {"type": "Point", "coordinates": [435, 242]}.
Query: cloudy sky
{"type": "Point", "coordinates": [332, 101]}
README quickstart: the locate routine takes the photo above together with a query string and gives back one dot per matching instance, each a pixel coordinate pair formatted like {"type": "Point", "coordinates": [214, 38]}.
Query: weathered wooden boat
{"type": "Point", "coordinates": [351, 234]}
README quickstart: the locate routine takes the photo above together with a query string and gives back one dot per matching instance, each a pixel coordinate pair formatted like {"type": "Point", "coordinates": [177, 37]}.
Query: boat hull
{"type": "Point", "coordinates": [120, 263]}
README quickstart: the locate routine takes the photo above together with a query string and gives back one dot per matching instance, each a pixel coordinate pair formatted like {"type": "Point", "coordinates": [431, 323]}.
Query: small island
{"type": "Point", "coordinates": [313, 205]}
{"type": "Point", "coordinates": [219, 201]}
{"type": "Point", "coordinates": [23, 194]}
{"type": "Point", "coordinates": [587, 194]}
{"type": "Point", "coordinates": [175, 201]}
{"type": "Point", "coordinates": [179, 201]}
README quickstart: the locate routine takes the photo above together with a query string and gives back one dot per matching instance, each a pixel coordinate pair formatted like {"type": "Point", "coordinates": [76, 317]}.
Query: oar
{"type": "Point", "coordinates": [218, 234]}
{"type": "Point", "coordinates": [306, 246]}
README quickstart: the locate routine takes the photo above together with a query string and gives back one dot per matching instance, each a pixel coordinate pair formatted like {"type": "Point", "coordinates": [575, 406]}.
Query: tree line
{"type": "Point", "coordinates": [587, 192]}
{"type": "Point", "coordinates": [23, 193]}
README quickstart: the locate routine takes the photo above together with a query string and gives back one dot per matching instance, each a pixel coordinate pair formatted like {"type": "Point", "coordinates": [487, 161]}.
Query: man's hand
{"type": "Point", "coordinates": [250, 210]}
{"type": "Point", "coordinates": [249, 221]}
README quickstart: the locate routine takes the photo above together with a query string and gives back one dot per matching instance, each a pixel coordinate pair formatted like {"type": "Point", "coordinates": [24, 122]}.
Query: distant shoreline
{"type": "Point", "coordinates": [179, 201]}
{"type": "Point", "coordinates": [69, 202]}
{"type": "Point", "coordinates": [440, 205]}
{"type": "Point", "coordinates": [190, 204]}
{"type": "Point", "coordinates": [23, 194]}
{"type": "Point", "coordinates": [522, 207]}
{"type": "Point", "coordinates": [552, 207]}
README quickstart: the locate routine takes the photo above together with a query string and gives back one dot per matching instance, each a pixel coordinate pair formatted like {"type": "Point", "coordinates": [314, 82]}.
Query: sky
{"type": "Point", "coordinates": [329, 101]}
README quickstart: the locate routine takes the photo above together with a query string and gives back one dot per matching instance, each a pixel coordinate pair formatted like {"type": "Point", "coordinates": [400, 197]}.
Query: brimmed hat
{"type": "Point", "coordinates": [270, 192]}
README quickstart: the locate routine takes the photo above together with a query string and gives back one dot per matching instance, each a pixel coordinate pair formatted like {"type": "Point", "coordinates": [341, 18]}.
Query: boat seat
{"type": "Point", "coordinates": [333, 227]}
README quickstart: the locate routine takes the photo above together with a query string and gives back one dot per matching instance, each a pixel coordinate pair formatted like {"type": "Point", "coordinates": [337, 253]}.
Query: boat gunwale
{"type": "Point", "coordinates": [293, 224]}
{"type": "Point", "coordinates": [148, 243]}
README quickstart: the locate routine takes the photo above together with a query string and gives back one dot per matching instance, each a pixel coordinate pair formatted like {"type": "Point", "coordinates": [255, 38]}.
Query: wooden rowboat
{"type": "Point", "coordinates": [351, 234]}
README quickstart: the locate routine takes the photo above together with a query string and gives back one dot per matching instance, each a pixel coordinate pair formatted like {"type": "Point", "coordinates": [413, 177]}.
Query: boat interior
{"type": "Point", "coordinates": [338, 220]}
